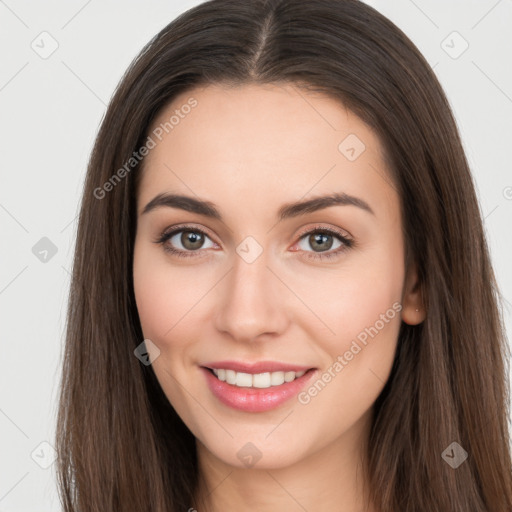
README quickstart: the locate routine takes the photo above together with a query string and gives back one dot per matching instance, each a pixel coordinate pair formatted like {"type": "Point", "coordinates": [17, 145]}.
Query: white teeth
{"type": "Point", "coordinates": [243, 379]}
{"type": "Point", "coordinates": [257, 380]}
{"type": "Point", "coordinates": [261, 380]}
{"type": "Point", "coordinates": [230, 377]}
{"type": "Point", "coordinates": [289, 376]}
{"type": "Point", "coordinates": [276, 378]}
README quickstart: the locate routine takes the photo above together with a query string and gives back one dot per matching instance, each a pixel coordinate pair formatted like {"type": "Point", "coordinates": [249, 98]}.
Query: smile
{"type": "Point", "coordinates": [257, 380]}
{"type": "Point", "coordinates": [256, 392]}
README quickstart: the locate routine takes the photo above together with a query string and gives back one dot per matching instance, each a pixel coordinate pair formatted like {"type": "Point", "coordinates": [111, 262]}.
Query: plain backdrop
{"type": "Point", "coordinates": [60, 63]}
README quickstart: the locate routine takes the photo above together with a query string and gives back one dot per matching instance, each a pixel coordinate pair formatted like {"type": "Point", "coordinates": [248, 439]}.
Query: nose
{"type": "Point", "coordinates": [252, 302]}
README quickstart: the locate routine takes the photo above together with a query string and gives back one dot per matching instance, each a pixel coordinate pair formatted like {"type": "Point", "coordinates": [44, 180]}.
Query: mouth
{"type": "Point", "coordinates": [256, 390]}
{"type": "Point", "coordinates": [257, 380]}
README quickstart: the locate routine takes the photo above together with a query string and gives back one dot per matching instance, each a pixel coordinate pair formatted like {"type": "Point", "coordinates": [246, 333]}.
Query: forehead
{"type": "Point", "coordinates": [270, 140]}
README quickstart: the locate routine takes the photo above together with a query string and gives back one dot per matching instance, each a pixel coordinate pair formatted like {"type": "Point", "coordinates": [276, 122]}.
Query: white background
{"type": "Point", "coordinates": [50, 112]}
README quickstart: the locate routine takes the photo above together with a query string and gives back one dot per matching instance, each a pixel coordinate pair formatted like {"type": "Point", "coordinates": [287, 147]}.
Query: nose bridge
{"type": "Point", "coordinates": [250, 304]}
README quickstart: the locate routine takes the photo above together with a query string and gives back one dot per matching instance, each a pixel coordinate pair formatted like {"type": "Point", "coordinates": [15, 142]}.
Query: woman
{"type": "Point", "coordinates": [282, 296]}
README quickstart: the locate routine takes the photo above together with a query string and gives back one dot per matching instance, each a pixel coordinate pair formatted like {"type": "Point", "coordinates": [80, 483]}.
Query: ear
{"type": "Point", "coordinates": [413, 309]}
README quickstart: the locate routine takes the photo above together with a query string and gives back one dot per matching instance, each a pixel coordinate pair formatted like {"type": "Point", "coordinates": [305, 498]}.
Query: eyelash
{"type": "Point", "coordinates": [347, 242]}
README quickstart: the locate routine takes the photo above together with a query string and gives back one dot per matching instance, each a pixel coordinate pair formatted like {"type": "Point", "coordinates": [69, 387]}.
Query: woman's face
{"type": "Point", "coordinates": [263, 287]}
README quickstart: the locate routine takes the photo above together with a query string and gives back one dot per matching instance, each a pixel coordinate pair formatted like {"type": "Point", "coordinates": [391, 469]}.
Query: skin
{"type": "Point", "coordinates": [250, 149]}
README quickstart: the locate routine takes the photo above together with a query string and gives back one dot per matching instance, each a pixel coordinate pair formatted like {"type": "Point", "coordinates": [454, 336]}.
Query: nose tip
{"type": "Point", "coordinates": [250, 304]}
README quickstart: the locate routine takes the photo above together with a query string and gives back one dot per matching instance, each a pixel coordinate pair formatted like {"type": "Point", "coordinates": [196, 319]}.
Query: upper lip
{"type": "Point", "coordinates": [256, 367]}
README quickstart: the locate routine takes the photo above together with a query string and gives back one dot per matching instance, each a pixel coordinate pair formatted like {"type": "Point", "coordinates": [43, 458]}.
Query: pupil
{"type": "Point", "coordinates": [321, 238]}
{"type": "Point", "coordinates": [191, 240]}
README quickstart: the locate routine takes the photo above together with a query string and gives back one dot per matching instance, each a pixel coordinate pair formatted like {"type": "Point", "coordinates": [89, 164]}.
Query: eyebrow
{"type": "Point", "coordinates": [286, 211]}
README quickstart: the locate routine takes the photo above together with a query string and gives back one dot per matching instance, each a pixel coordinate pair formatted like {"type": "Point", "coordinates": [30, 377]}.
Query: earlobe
{"type": "Point", "coordinates": [413, 308]}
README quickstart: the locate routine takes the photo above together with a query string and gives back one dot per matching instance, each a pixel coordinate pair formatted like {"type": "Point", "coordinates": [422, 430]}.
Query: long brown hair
{"type": "Point", "coordinates": [121, 446]}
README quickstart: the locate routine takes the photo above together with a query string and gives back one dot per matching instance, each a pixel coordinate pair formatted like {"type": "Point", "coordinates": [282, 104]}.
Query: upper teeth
{"type": "Point", "coordinates": [257, 380]}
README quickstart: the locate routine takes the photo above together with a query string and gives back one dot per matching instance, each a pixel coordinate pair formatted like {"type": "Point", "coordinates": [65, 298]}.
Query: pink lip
{"type": "Point", "coordinates": [254, 399]}
{"type": "Point", "coordinates": [259, 367]}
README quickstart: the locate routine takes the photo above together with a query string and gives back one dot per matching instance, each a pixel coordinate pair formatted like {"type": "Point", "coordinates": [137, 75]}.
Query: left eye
{"type": "Point", "coordinates": [320, 241]}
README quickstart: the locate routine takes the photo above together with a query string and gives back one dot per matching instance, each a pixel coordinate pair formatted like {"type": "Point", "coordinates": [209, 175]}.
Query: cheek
{"type": "Point", "coordinates": [165, 295]}
{"type": "Point", "coordinates": [359, 358]}
{"type": "Point", "coordinates": [365, 291]}
{"type": "Point", "coordinates": [155, 302]}
{"type": "Point", "coordinates": [373, 287]}
{"type": "Point", "coordinates": [362, 311]}
{"type": "Point", "coordinates": [164, 298]}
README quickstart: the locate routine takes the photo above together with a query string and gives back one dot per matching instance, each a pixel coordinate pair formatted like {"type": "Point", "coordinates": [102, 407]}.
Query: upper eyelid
{"type": "Point", "coordinates": [168, 233]}
{"type": "Point", "coordinates": [336, 232]}
{"type": "Point", "coordinates": [332, 231]}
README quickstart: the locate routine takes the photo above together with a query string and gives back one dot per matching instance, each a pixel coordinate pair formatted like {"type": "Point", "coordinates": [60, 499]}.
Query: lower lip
{"type": "Point", "coordinates": [255, 399]}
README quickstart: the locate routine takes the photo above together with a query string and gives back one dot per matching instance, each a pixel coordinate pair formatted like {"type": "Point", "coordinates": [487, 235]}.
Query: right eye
{"type": "Point", "coordinates": [184, 241]}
